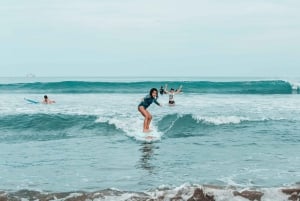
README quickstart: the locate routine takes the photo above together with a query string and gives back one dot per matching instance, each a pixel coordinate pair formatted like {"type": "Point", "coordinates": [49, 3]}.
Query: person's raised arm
{"type": "Point", "coordinates": [166, 89]}
{"type": "Point", "coordinates": [178, 90]}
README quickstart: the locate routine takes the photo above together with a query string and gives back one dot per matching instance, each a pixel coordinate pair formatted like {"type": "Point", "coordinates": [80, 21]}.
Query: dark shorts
{"type": "Point", "coordinates": [171, 102]}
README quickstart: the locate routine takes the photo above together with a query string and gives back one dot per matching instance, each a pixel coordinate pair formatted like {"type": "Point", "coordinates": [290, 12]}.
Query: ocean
{"type": "Point", "coordinates": [225, 136]}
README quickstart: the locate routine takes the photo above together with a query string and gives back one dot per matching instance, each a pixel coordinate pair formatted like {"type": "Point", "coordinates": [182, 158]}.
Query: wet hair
{"type": "Point", "coordinates": [153, 89]}
{"type": "Point", "coordinates": [45, 96]}
{"type": "Point", "coordinates": [172, 89]}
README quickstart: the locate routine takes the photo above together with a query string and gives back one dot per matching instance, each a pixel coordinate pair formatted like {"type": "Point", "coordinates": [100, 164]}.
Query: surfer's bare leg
{"type": "Point", "coordinates": [147, 120]}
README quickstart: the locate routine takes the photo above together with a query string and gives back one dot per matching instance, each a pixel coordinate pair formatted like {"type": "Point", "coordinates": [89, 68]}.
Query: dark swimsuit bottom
{"type": "Point", "coordinates": [171, 102]}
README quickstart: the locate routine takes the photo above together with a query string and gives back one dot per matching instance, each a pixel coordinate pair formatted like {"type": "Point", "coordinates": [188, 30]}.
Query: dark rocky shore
{"type": "Point", "coordinates": [186, 194]}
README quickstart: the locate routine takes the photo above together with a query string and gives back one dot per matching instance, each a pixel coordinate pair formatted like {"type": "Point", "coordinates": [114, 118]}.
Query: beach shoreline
{"type": "Point", "coordinates": [184, 192]}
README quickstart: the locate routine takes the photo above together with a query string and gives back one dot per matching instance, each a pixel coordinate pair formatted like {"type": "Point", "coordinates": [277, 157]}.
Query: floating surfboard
{"type": "Point", "coordinates": [31, 101]}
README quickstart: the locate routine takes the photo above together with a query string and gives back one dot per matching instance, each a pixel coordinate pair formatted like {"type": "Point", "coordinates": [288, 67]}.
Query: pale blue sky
{"type": "Point", "coordinates": [150, 38]}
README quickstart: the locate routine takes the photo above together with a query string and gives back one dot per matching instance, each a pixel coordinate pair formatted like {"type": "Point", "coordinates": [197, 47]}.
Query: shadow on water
{"type": "Point", "coordinates": [147, 153]}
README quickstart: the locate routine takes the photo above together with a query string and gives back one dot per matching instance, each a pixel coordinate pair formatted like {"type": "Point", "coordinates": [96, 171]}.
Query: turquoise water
{"type": "Point", "coordinates": [228, 132]}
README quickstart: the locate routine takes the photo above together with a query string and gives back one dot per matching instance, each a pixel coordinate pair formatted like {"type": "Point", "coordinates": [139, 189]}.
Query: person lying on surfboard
{"type": "Point", "coordinates": [144, 104]}
{"type": "Point", "coordinates": [47, 100]}
{"type": "Point", "coordinates": [172, 93]}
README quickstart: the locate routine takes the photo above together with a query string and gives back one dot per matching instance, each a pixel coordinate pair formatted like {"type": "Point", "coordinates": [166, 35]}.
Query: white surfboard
{"type": "Point", "coordinates": [150, 137]}
{"type": "Point", "coordinates": [147, 137]}
{"type": "Point", "coordinates": [31, 101]}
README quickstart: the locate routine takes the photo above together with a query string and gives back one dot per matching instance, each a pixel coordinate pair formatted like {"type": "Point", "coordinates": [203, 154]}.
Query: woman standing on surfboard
{"type": "Point", "coordinates": [144, 104]}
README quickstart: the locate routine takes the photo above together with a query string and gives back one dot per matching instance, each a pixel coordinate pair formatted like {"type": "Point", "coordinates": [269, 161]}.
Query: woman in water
{"type": "Point", "coordinates": [172, 93]}
{"type": "Point", "coordinates": [144, 104]}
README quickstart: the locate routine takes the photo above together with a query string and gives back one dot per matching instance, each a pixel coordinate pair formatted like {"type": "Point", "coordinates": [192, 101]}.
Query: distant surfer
{"type": "Point", "coordinates": [47, 100]}
{"type": "Point", "coordinates": [144, 104]}
{"type": "Point", "coordinates": [172, 93]}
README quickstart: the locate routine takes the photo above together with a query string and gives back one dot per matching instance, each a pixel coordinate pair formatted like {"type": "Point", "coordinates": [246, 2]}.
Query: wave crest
{"type": "Point", "coordinates": [184, 125]}
{"type": "Point", "coordinates": [43, 127]}
{"type": "Point", "coordinates": [202, 87]}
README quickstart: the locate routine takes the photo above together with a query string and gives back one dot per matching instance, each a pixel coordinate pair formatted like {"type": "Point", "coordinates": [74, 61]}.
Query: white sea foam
{"type": "Point", "coordinates": [218, 120]}
{"type": "Point", "coordinates": [294, 84]}
{"type": "Point", "coordinates": [133, 128]}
